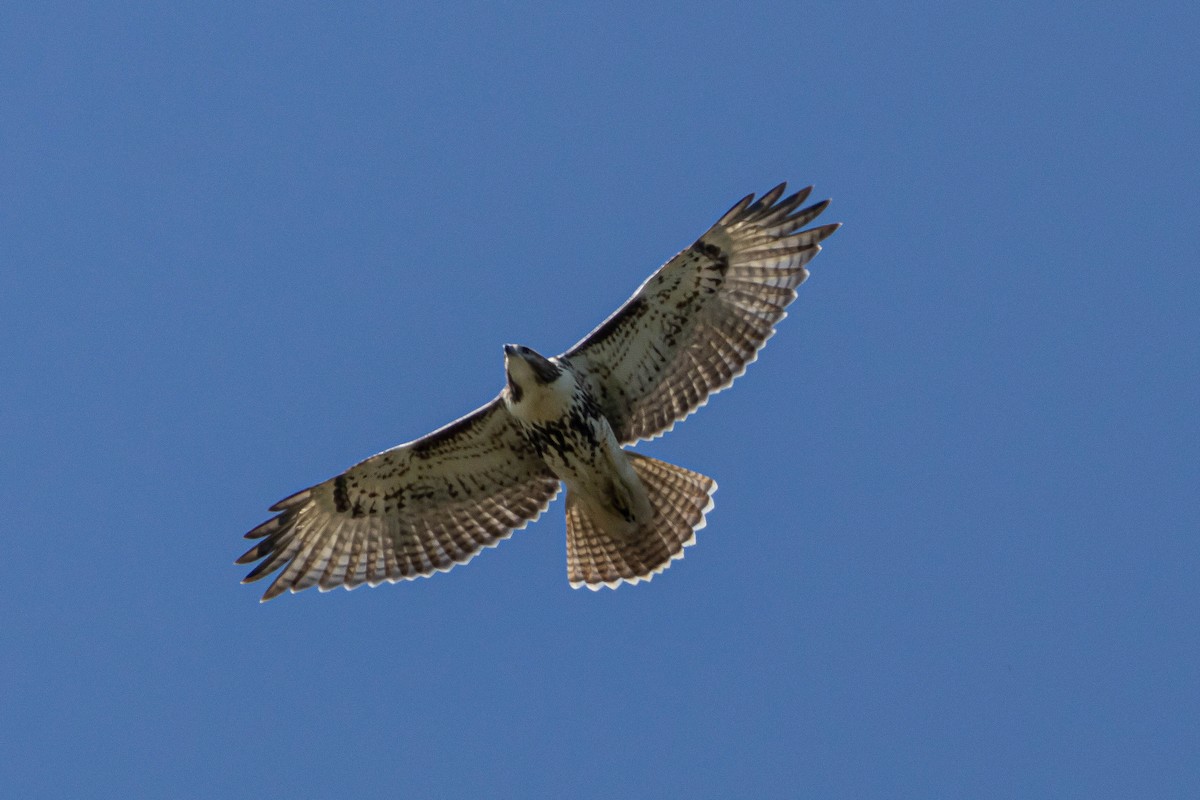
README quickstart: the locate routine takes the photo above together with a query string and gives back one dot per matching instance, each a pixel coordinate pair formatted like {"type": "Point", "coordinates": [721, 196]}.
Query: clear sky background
{"type": "Point", "coordinates": [956, 548]}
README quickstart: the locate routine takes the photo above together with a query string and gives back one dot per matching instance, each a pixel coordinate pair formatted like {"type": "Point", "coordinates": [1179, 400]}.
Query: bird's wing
{"type": "Point", "coordinates": [697, 322]}
{"type": "Point", "coordinates": [416, 509]}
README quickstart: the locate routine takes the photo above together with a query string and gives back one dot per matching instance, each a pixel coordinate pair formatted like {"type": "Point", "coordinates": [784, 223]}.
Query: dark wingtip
{"type": "Point", "coordinates": [292, 500]}
{"type": "Point", "coordinates": [274, 590]}
{"type": "Point", "coordinates": [264, 529]}
{"type": "Point", "coordinates": [261, 571]}
{"type": "Point", "coordinates": [817, 208]}
{"type": "Point", "coordinates": [798, 197]}
{"type": "Point", "coordinates": [736, 209]}
{"type": "Point", "coordinates": [762, 204]}
{"type": "Point", "coordinates": [825, 231]}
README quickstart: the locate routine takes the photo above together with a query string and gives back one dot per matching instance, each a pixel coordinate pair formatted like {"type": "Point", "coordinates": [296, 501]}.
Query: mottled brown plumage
{"type": "Point", "coordinates": [687, 333]}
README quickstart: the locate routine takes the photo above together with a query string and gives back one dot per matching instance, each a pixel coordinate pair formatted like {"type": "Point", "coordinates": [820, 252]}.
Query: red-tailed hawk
{"type": "Point", "coordinates": [685, 334]}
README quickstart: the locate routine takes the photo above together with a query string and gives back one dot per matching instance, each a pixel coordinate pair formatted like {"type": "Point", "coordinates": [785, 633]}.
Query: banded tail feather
{"type": "Point", "coordinates": [680, 499]}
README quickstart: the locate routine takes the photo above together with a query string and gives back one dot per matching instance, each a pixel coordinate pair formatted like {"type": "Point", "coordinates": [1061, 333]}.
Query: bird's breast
{"type": "Point", "coordinates": [582, 451]}
{"type": "Point", "coordinates": [572, 437]}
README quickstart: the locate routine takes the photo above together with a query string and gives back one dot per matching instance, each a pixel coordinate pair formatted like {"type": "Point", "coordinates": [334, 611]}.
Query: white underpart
{"type": "Point", "coordinates": [591, 474]}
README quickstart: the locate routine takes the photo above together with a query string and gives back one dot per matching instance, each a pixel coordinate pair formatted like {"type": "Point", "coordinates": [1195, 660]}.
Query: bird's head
{"type": "Point", "coordinates": [528, 371]}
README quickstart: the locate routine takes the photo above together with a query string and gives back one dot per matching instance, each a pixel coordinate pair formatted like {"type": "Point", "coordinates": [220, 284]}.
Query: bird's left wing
{"type": "Point", "coordinates": [696, 324]}
{"type": "Point", "coordinates": [416, 509]}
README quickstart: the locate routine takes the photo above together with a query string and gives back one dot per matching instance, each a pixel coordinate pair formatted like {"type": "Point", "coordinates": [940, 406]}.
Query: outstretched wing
{"type": "Point", "coordinates": [413, 510]}
{"type": "Point", "coordinates": [696, 324]}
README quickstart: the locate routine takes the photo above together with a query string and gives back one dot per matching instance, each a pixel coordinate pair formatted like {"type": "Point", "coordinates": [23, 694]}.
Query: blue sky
{"type": "Point", "coordinates": [955, 549]}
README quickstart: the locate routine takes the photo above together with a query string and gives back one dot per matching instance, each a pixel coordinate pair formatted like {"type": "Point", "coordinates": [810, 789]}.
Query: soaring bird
{"type": "Point", "coordinates": [685, 334]}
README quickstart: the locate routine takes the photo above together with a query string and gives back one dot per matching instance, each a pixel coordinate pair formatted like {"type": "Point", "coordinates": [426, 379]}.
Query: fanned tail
{"type": "Point", "coordinates": [679, 497]}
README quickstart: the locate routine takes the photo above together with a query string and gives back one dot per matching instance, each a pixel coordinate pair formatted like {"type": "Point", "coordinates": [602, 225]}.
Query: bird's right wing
{"type": "Point", "coordinates": [696, 324]}
{"type": "Point", "coordinates": [416, 509]}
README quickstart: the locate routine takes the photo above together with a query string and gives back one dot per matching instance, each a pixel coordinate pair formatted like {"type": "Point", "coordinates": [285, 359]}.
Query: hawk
{"type": "Point", "coordinates": [686, 333]}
